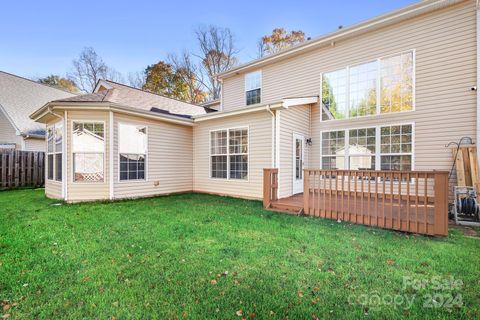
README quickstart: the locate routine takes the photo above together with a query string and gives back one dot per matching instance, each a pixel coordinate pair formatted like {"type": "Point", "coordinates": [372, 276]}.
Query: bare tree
{"type": "Point", "coordinates": [89, 68]}
{"type": "Point", "coordinates": [217, 54]}
{"type": "Point", "coordinates": [190, 74]}
{"type": "Point", "coordinates": [136, 79]}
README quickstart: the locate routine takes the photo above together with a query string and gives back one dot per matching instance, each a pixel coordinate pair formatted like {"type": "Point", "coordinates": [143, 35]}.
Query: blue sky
{"type": "Point", "coordinates": [42, 37]}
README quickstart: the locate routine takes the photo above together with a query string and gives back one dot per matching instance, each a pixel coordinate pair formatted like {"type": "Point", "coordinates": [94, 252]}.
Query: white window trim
{"type": "Point", "coordinates": [105, 180]}
{"type": "Point", "coordinates": [378, 109]}
{"type": "Point", "coordinates": [147, 158]}
{"type": "Point", "coordinates": [378, 153]}
{"type": "Point", "coordinates": [228, 154]}
{"type": "Point", "coordinates": [55, 152]}
{"type": "Point", "coordinates": [260, 87]}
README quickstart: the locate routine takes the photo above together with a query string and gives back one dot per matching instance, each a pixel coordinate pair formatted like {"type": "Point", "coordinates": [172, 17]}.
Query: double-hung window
{"type": "Point", "coordinates": [253, 87]}
{"type": "Point", "coordinates": [54, 152]}
{"type": "Point", "coordinates": [88, 147]}
{"type": "Point", "coordinates": [373, 148]}
{"type": "Point", "coordinates": [229, 154]}
{"type": "Point", "coordinates": [132, 148]}
{"type": "Point", "coordinates": [381, 86]}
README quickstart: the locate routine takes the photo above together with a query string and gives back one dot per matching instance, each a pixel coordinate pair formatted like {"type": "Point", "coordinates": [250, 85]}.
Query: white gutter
{"type": "Point", "coordinates": [222, 114]}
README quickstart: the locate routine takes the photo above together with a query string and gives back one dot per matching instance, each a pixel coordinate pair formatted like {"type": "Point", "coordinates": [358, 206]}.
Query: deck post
{"type": "Point", "coordinates": [306, 191]}
{"type": "Point", "coordinates": [267, 187]}
{"type": "Point", "coordinates": [441, 203]}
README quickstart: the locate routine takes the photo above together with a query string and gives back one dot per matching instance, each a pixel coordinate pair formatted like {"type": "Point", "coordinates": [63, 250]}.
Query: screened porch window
{"type": "Point", "coordinates": [132, 140]}
{"type": "Point", "coordinates": [88, 146]}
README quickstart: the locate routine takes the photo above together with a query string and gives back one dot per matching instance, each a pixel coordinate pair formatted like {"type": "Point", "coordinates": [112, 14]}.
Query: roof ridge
{"type": "Point", "coordinates": [155, 94]}
{"type": "Point", "coordinates": [36, 82]}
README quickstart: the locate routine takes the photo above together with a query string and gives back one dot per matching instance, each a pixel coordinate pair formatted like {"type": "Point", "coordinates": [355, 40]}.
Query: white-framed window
{"type": "Point", "coordinates": [396, 149]}
{"type": "Point", "coordinates": [253, 87]}
{"type": "Point", "coordinates": [88, 151]}
{"type": "Point", "coordinates": [333, 150]}
{"type": "Point", "coordinates": [384, 85]}
{"type": "Point", "coordinates": [229, 154]}
{"type": "Point", "coordinates": [55, 151]}
{"type": "Point", "coordinates": [132, 151]}
{"type": "Point", "coordinates": [388, 147]}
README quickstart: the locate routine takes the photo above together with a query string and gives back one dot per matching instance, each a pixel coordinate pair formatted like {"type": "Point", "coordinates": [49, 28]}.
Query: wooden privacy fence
{"type": "Point", "coordinates": [21, 169]}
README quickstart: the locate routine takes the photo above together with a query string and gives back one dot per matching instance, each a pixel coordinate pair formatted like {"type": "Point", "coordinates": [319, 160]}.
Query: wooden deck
{"type": "Point", "coordinates": [361, 210]}
{"type": "Point", "coordinates": [293, 204]}
{"type": "Point", "coordinates": [412, 201]}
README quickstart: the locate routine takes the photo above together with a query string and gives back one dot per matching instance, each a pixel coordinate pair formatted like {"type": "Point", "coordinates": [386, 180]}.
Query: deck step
{"type": "Point", "coordinates": [286, 207]}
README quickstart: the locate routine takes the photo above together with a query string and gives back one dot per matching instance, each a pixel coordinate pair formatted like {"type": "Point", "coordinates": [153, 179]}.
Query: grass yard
{"type": "Point", "coordinates": [200, 256]}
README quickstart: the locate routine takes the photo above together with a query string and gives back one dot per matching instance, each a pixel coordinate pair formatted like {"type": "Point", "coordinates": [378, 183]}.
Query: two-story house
{"type": "Point", "coordinates": [385, 94]}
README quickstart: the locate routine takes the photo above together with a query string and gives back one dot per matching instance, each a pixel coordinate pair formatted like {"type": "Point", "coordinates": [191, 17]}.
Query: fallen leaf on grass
{"type": "Point", "coordinates": [6, 315]}
{"type": "Point", "coordinates": [213, 281]}
{"type": "Point", "coordinates": [239, 313]}
{"type": "Point", "coordinates": [390, 262]}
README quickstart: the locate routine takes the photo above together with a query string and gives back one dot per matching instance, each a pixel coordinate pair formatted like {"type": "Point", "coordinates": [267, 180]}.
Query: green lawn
{"type": "Point", "coordinates": [200, 256]}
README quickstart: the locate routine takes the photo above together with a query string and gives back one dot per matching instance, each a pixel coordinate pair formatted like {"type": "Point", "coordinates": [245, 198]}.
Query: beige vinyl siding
{"type": "Point", "coordinates": [34, 144]}
{"type": "Point", "coordinates": [260, 155]}
{"type": "Point", "coordinates": [445, 69]}
{"type": "Point", "coordinates": [8, 133]}
{"type": "Point", "coordinates": [233, 95]}
{"type": "Point", "coordinates": [169, 159]}
{"type": "Point", "coordinates": [85, 191]}
{"type": "Point", "coordinates": [295, 119]}
{"type": "Point", "coordinates": [53, 189]}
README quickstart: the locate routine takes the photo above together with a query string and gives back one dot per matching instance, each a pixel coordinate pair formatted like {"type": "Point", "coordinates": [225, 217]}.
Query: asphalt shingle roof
{"type": "Point", "coordinates": [19, 97]}
{"type": "Point", "coordinates": [144, 100]}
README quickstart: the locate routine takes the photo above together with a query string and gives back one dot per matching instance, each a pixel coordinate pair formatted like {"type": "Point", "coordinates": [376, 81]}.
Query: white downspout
{"type": "Point", "coordinates": [477, 140]}
{"type": "Point", "coordinates": [273, 136]}
{"type": "Point", "coordinates": [110, 155]}
{"type": "Point", "coordinates": [277, 149]}
{"type": "Point", "coordinates": [65, 156]}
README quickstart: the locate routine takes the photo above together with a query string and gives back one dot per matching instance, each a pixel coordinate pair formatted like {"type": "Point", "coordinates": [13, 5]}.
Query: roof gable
{"type": "Point", "coordinates": [19, 97]}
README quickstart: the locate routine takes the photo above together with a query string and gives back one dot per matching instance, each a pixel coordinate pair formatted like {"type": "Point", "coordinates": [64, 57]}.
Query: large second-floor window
{"type": "Point", "coordinates": [253, 87]}
{"type": "Point", "coordinates": [381, 86]}
{"type": "Point", "coordinates": [132, 148]}
{"type": "Point", "coordinates": [88, 147]}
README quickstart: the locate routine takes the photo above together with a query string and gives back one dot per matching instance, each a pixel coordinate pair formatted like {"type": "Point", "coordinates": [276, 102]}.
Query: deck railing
{"type": "Point", "coordinates": [270, 186]}
{"type": "Point", "coordinates": [412, 201]}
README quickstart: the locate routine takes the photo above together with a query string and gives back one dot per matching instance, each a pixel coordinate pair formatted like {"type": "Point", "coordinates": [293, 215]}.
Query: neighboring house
{"type": "Point", "coordinates": [19, 97]}
{"type": "Point", "coordinates": [387, 93]}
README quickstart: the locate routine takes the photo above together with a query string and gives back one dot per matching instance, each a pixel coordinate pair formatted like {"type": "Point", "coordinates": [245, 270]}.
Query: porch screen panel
{"type": "Point", "coordinates": [88, 146]}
